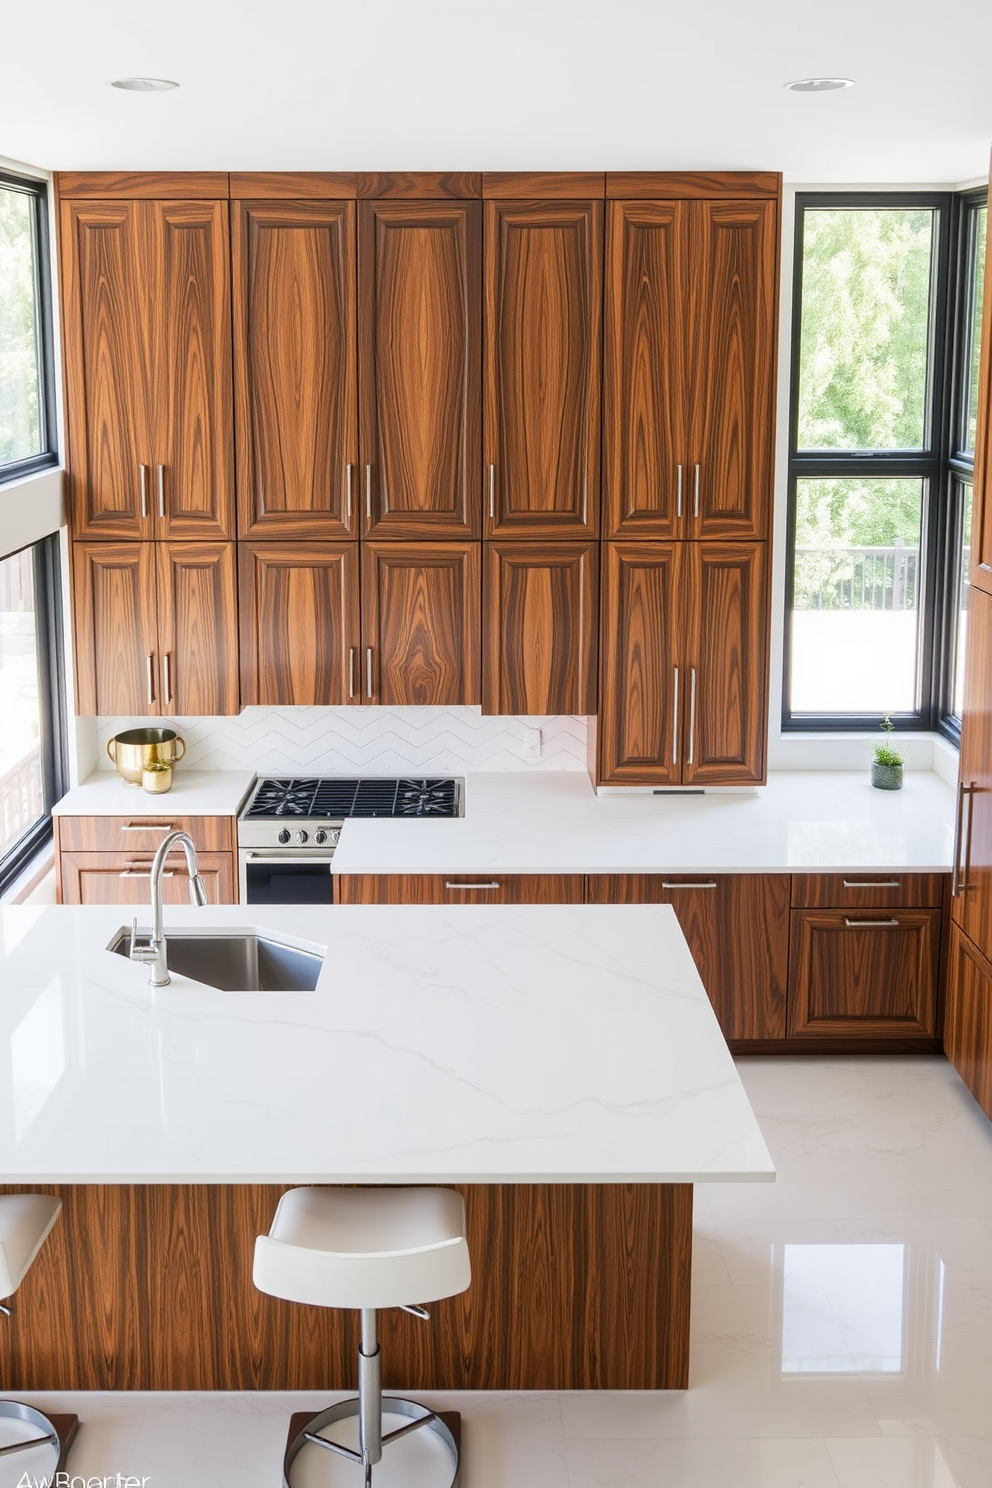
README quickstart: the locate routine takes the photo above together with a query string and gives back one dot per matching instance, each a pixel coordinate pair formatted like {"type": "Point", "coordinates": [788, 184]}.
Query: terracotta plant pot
{"type": "Point", "coordinates": [886, 777]}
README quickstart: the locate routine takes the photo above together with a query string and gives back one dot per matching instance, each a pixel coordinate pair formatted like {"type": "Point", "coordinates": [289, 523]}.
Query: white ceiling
{"type": "Point", "coordinates": [513, 84]}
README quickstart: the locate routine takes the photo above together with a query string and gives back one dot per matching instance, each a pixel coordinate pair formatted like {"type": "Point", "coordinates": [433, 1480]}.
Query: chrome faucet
{"type": "Point", "coordinates": [154, 953]}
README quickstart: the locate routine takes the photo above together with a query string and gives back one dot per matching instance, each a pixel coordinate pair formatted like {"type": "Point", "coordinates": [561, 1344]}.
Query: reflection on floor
{"type": "Point", "coordinates": [842, 1326]}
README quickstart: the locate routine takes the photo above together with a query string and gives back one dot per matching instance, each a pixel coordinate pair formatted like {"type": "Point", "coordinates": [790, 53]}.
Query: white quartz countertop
{"type": "Point", "coordinates": [555, 823]}
{"type": "Point", "coordinates": [523, 1044]}
{"type": "Point", "coordinates": [193, 793]}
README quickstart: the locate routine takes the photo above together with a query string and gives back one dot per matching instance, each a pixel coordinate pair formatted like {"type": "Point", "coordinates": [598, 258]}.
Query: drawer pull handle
{"type": "Point", "coordinates": [148, 826]}
{"type": "Point", "coordinates": [874, 883]}
{"type": "Point", "coordinates": [710, 884]}
{"type": "Point", "coordinates": [871, 924]}
{"type": "Point", "coordinates": [467, 887]}
{"type": "Point", "coordinates": [145, 873]}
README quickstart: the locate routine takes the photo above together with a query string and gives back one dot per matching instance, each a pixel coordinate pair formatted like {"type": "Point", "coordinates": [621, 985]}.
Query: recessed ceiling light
{"type": "Point", "coordinates": [819, 85]}
{"type": "Point", "coordinates": [144, 85]}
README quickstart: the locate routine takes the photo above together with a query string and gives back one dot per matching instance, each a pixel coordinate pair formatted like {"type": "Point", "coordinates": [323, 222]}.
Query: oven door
{"type": "Point", "coordinates": [285, 878]}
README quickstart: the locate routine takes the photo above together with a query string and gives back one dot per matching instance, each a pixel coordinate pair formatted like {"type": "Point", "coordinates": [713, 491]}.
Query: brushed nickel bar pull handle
{"type": "Point", "coordinates": [872, 883]}
{"type": "Point", "coordinates": [167, 675]}
{"type": "Point", "coordinates": [368, 671]}
{"type": "Point", "coordinates": [145, 873]}
{"type": "Point", "coordinates": [150, 664]}
{"type": "Point", "coordinates": [695, 494]}
{"type": "Point", "coordinates": [144, 490]}
{"type": "Point", "coordinates": [494, 884]}
{"type": "Point", "coordinates": [350, 477]}
{"type": "Point", "coordinates": [692, 715]}
{"type": "Point", "coordinates": [675, 717]}
{"type": "Point", "coordinates": [351, 671]}
{"type": "Point", "coordinates": [710, 884]}
{"type": "Point", "coordinates": [870, 924]}
{"type": "Point", "coordinates": [956, 876]}
{"type": "Point", "coordinates": [678, 493]}
{"type": "Point", "coordinates": [368, 494]}
{"type": "Point", "coordinates": [160, 469]}
{"type": "Point", "coordinates": [970, 793]}
{"type": "Point", "coordinates": [148, 827]}
{"type": "Point", "coordinates": [492, 493]}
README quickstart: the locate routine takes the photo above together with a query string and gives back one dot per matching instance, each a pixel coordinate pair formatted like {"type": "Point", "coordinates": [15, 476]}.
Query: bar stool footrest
{"type": "Point", "coordinates": [303, 1427]}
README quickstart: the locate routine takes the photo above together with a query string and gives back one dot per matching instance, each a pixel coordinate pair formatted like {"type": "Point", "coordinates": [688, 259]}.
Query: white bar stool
{"type": "Point", "coordinates": [366, 1248]}
{"type": "Point", "coordinates": [25, 1221]}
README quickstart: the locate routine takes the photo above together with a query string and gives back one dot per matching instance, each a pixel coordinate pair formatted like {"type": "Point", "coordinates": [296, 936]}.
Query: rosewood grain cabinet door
{"type": "Point", "coordinates": [869, 973]}
{"type": "Point", "coordinates": [642, 679]}
{"type": "Point", "coordinates": [732, 350]}
{"type": "Point", "coordinates": [726, 663]}
{"type": "Point", "coordinates": [971, 900]}
{"type": "Point", "coordinates": [647, 480]}
{"type": "Point", "coordinates": [543, 313]}
{"type": "Point", "coordinates": [421, 623]}
{"type": "Point", "coordinates": [108, 366]}
{"type": "Point", "coordinates": [420, 368]}
{"type": "Point", "coordinates": [295, 368]}
{"type": "Point", "coordinates": [541, 619]}
{"type": "Point", "coordinates": [191, 335]}
{"type": "Point", "coordinates": [968, 1017]}
{"type": "Point", "coordinates": [116, 628]}
{"type": "Point", "coordinates": [299, 623]}
{"type": "Point", "coordinates": [198, 628]}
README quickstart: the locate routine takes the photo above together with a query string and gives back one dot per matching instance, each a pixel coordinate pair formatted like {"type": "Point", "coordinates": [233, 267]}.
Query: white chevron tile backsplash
{"type": "Point", "coordinates": [386, 741]}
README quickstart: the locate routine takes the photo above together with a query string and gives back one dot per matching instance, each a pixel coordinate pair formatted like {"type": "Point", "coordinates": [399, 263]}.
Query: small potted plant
{"type": "Point", "coordinates": [887, 766]}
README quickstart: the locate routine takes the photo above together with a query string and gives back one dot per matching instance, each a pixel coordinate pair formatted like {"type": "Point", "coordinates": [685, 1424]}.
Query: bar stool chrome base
{"type": "Point", "coordinates": [421, 1416]}
{"type": "Point", "coordinates": [16, 1410]}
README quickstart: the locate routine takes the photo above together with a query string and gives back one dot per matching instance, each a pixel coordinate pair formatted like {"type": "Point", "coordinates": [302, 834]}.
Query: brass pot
{"type": "Point", "coordinates": [134, 750]}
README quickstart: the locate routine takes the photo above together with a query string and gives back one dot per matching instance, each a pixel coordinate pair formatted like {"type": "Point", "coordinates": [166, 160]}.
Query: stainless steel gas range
{"type": "Point", "coordinates": [289, 828]}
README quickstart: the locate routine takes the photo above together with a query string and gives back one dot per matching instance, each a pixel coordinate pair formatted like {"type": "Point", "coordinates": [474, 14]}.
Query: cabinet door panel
{"type": "Point", "coordinates": [108, 369]}
{"type": "Point", "coordinates": [737, 928]}
{"type": "Point", "coordinates": [541, 622]}
{"type": "Point", "coordinates": [733, 356]}
{"type": "Point", "coordinates": [295, 368]}
{"type": "Point", "coordinates": [727, 688]}
{"type": "Point", "coordinates": [544, 264]}
{"type": "Point", "coordinates": [968, 1018]}
{"type": "Point", "coordinates": [191, 328]}
{"type": "Point", "coordinates": [971, 906]}
{"type": "Point", "coordinates": [645, 407]}
{"type": "Point", "coordinates": [421, 622]}
{"type": "Point", "coordinates": [116, 628]}
{"type": "Point", "coordinates": [867, 974]}
{"type": "Point", "coordinates": [124, 878]}
{"type": "Point", "coordinates": [460, 888]}
{"type": "Point", "coordinates": [198, 628]}
{"type": "Point", "coordinates": [299, 623]}
{"type": "Point", "coordinates": [642, 684]}
{"type": "Point", "coordinates": [420, 287]}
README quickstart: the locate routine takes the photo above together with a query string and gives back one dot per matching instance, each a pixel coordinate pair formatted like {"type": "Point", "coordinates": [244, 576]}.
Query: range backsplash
{"type": "Point", "coordinates": [386, 741]}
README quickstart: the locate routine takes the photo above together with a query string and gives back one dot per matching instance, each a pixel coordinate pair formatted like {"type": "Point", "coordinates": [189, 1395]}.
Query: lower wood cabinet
{"type": "Point", "coordinates": [968, 1017]}
{"type": "Point", "coordinates": [460, 888]}
{"type": "Point", "coordinates": [118, 878]}
{"type": "Point", "coordinates": [737, 928]}
{"type": "Point", "coordinates": [866, 974]}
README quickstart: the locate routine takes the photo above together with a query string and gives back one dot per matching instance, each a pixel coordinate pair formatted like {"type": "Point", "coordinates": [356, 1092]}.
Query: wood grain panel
{"type": "Point", "coordinates": [421, 621]}
{"type": "Point", "coordinates": [542, 614]}
{"type": "Point", "coordinates": [419, 185]}
{"type": "Point", "coordinates": [726, 588]}
{"type": "Point", "coordinates": [543, 321]}
{"type": "Point", "coordinates": [971, 907]}
{"type": "Point", "coordinates": [147, 185]}
{"type": "Point", "coordinates": [295, 363]}
{"type": "Point", "coordinates": [125, 878]}
{"type": "Point", "coordinates": [108, 369]}
{"type": "Point", "coordinates": [460, 888]}
{"type": "Point", "coordinates": [863, 972]}
{"type": "Point", "coordinates": [641, 702]}
{"type": "Point", "coordinates": [115, 623]}
{"type": "Point", "coordinates": [292, 186]}
{"type": "Point", "coordinates": [143, 833]}
{"type": "Point", "coordinates": [980, 575]}
{"type": "Point", "coordinates": [582, 1287]}
{"type": "Point", "coordinates": [645, 376]}
{"type": "Point", "coordinates": [191, 334]}
{"type": "Point", "coordinates": [968, 1017]}
{"type": "Point", "coordinates": [690, 185]}
{"type": "Point", "coordinates": [420, 288]}
{"type": "Point", "coordinates": [732, 349]}
{"type": "Point", "coordinates": [737, 928]}
{"type": "Point", "coordinates": [543, 185]}
{"type": "Point", "coordinates": [198, 628]}
{"type": "Point", "coordinates": [860, 889]}
{"type": "Point", "coordinates": [299, 624]}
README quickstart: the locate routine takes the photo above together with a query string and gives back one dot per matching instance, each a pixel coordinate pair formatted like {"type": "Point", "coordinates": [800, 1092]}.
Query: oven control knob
{"type": "Point", "coordinates": [302, 836]}
{"type": "Point", "coordinates": [320, 836]}
{"type": "Point", "coordinates": [284, 835]}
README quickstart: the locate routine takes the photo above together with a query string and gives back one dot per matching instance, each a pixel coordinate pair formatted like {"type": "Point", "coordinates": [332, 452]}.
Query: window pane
{"type": "Point", "coordinates": [961, 618]}
{"type": "Point", "coordinates": [21, 788]}
{"type": "Point", "coordinates": [855, 619]}
{"type": "Point", "coordinates": [865, 334]}
{"type": "Point", "coordinates": [980, 223]}
{"type": "Point", "coordinates": [20, 401]}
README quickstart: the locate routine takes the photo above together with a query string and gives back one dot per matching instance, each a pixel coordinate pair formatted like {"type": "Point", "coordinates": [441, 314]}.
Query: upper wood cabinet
{"type": "Point", "coordinates": [541, 615]}
{"type": "Point", "coordinates": [299, 622]}
{"type": "Point", "coordinates": [689, 376]}
{"type": "Point", "coordinates": [420, 310]}
{"type": "Point", "coordinates": [420, 623]}
{"type": "Point", "coordinates": [147, 329]}
{"type": "Point", "coordinates": [543, 311]}
{"type": "Point", "coordinates": [295, 368]}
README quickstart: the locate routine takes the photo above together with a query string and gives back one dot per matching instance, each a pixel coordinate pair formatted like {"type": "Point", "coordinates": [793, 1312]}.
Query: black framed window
{"type": "Point", "coordinates": [27, 382]}
{"type": "Point", "coordinates": [884, 390]}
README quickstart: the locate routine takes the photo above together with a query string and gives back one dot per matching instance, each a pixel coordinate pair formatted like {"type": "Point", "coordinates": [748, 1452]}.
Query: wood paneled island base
{"type": "Point", "coordinates": [148, 1287]}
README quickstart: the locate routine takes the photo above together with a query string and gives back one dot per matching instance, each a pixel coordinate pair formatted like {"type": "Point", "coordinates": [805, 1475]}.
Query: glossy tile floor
{"type": "Point", "coordinates": [842, 1327]}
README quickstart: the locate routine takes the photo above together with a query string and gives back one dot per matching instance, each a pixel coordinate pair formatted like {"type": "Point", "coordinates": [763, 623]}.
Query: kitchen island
{"type": "Point", "coordinates": [560, 1064]}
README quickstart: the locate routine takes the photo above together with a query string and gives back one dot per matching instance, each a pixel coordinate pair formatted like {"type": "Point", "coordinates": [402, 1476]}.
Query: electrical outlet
{"type": "Point", "coordinates": [533, 744]}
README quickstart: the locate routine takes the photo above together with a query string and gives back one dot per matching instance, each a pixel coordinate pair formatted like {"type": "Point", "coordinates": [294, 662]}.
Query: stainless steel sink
{"type": "Point", "coordinates": [234, 962]}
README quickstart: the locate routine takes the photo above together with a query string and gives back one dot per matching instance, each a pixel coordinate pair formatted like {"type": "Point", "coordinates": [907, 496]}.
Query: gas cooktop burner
{"type": "Point", "coordinates": [284, 798]}
{"type": "Point", "coordinates": [334, 797]}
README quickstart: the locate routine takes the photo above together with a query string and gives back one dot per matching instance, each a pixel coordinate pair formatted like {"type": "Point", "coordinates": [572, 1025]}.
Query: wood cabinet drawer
{"type": "Point", "coordinates": [130, 834]}
{"type": "Point", "coordinates": [125, 878]}
{"type": "Point", "coordinates": [460, 888]}
{"type": "Point", "coordinates": [869, 975]}
{"type": "Point", "coordinates": [859, 890]}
